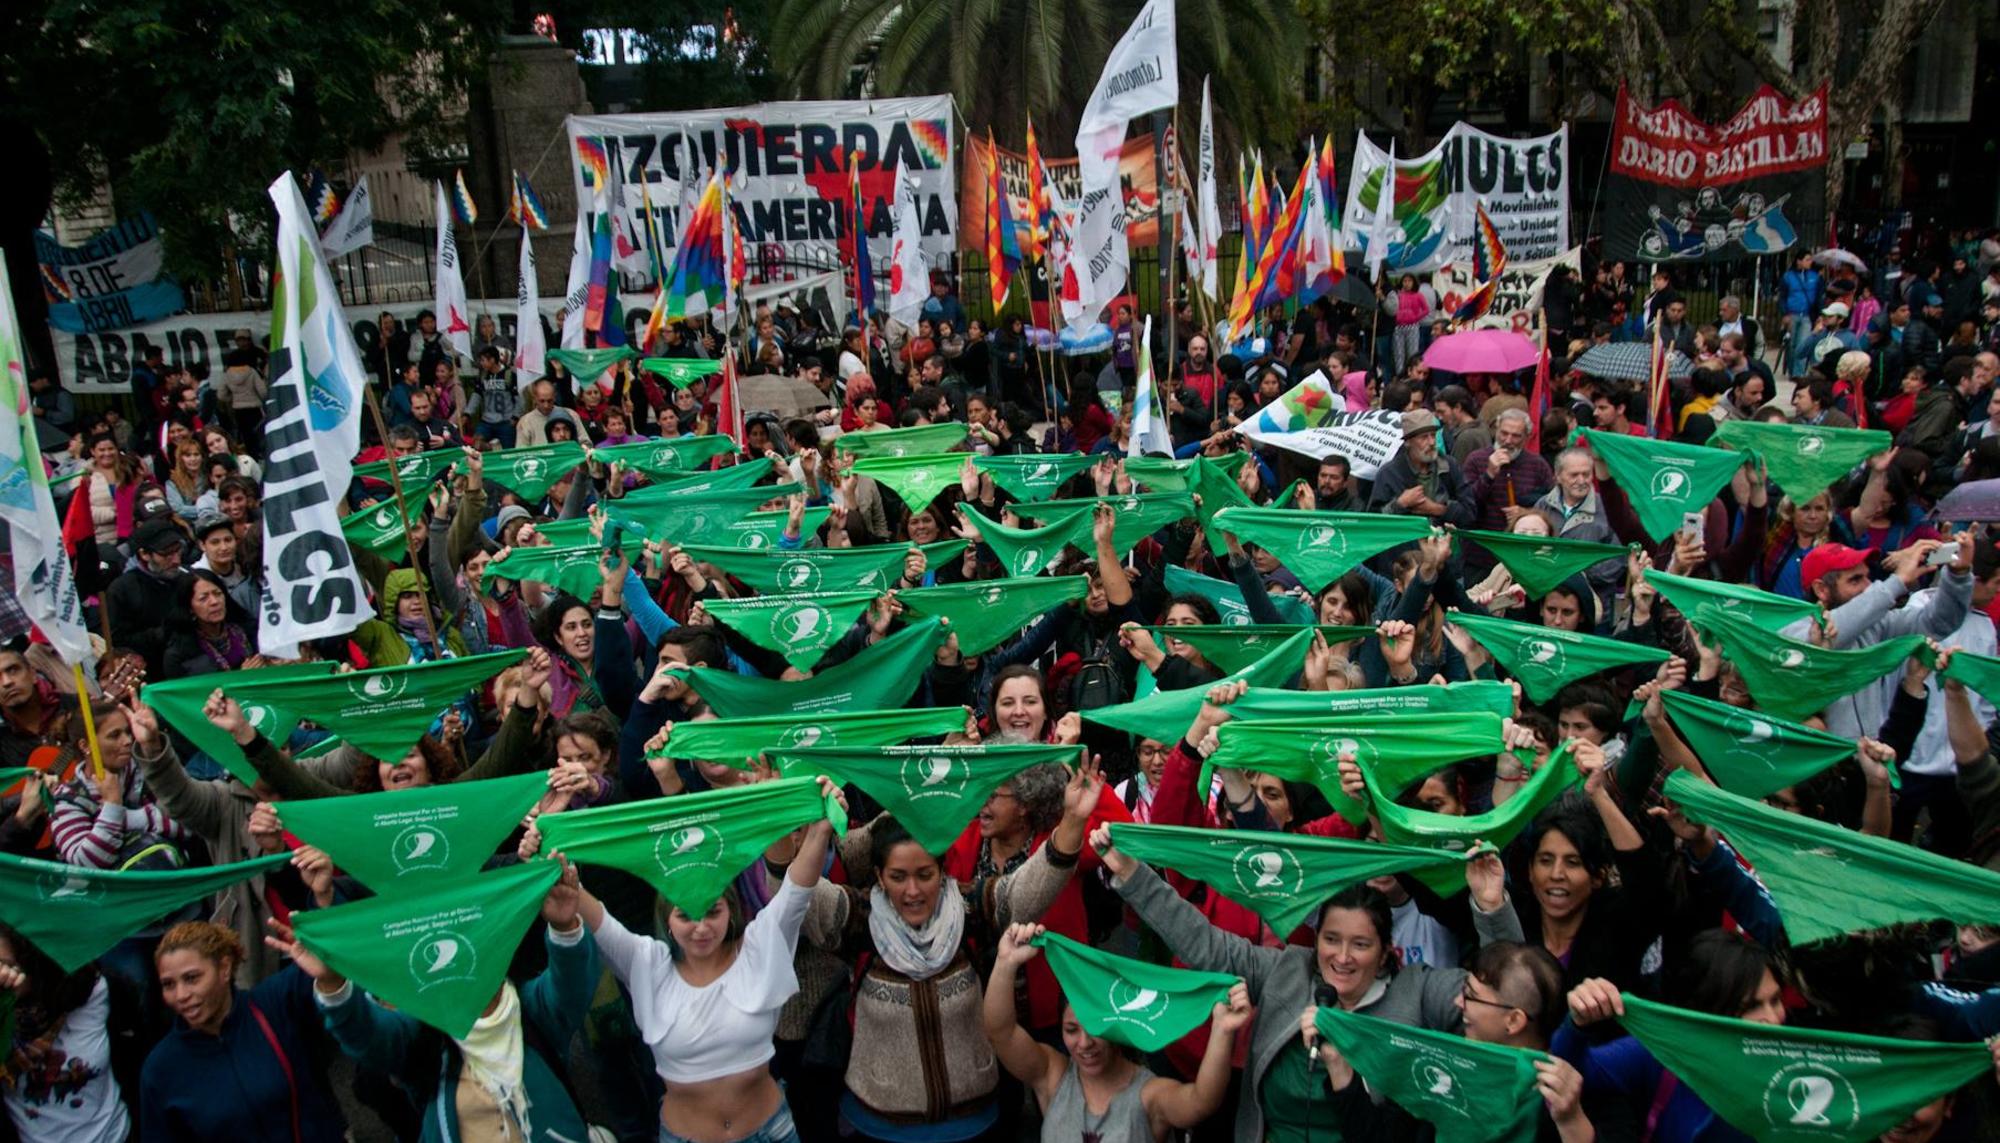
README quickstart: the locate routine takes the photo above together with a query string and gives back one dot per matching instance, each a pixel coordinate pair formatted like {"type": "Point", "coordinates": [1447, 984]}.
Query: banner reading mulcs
{"type": "Point", "coordinates": [1523, 183]}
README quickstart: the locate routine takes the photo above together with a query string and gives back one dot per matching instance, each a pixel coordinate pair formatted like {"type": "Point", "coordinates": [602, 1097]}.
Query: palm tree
{"type": "Point", "coordinates": [1002, 60]}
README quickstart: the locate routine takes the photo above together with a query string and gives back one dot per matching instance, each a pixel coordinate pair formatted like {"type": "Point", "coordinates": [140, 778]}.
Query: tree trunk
{"type": "Point", "coordinates": [1893, 156]}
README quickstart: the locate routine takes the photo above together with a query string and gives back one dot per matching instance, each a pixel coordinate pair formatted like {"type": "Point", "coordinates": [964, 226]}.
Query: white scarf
{"type": "Point", "coordinates": [493, 1058]}
{"type": "Point", "coordinates": [918, 953]}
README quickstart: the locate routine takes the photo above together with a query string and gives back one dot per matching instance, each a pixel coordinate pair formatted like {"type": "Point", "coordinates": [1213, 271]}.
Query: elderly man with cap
{"type": "Point", "coordinates": [1420, 480]}
{"type": "Point", "coordinates": [138, 602]}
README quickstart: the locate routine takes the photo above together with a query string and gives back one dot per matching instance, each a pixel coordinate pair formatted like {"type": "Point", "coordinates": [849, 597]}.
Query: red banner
{"type": "Point", "coordinates": [1770, 135]}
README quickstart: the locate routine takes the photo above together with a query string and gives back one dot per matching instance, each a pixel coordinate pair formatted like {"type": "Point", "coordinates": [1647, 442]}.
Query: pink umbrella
{"type": "Point", "coordinates": [1482, 351]}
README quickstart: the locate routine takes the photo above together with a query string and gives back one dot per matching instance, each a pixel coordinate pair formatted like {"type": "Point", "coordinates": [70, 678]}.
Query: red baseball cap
{"type": "Point", "coordinates": [1829, 558]}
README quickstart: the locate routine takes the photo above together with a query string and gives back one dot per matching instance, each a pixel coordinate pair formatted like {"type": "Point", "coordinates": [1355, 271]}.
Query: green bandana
{"type": "Point", "coordinates": [1470, 1091]}
{"type": "Point", "coordinates": [381, 529]}
{"type": "Point", "coordinates": [690, 847]}
{"type": "Point", "coordinates": [1541, 563]}
{"type": "Point", "coordinates": [933, 791]}
{"type": "Point", "coordinates": [1395, 751]}
{"type": "Point", "coordinates": [1828, 881]}
{"type": "Point", "coordinates": [1282, 877]}
{"type": "Point", "coordinates": [734, 741]}
{"type": "Point", "coordinates": [874, 568]}
{"type": "Point", "coordinates": [1424, 698]}
{"type": "Point", "coordinates": [1664, 480]}
{"type": "Point", "coordinates": [180, 702]}
{"type": "Point", "coordinates": [423, 836]}
{"type": "Point", "coordinates": [576, 533]}
{"type": "Point", "coordinates": [668, 456]}
{"type": "Point", "coordinates": [1133, 517]}
{"type": "Point", "coordinates": [1166, 715]}
{"type": "Point", "coordinates": [439, 952]}
{"type": "Point", "coordinates": [1034, 476]}
{"type": "Point", "coordinates": [577, 570]}
{"type": "Point", "coordinates": [1777, 1083]}
{"type": "Point", "coordinates": [1765, 609]}
{"type": "Point", "coordinates": [1981, 673]}
{"type": "Point", "coordinates": [1751, 753]}
{"type": "Point", "coordinates": [986, 613]}
{"type": "Point", "coordinates": [530, 472]}
{"type": "Point", "coordinates": [586, 364]}
{"type": "Point", "coordinates": [800, 627]}
{"type": "Point", "coordinates": [1802, 459]}
{"type": "Point", "coordinates": [728, 478]}
{"type": "Point", "coordinates": [1228, 599]}
{"type": "Point", "coordinates": [680, 372]}
{"type": "Point", "coordinates": [75, 913]}
{"type": "Point", "coordinates": [1235, 646]}
{"type": "Point", "coordinates": [687, 519]}
{"type": "Point", "coordinates": [1792, 678]}
{"type": "Point", "coordinates": [1130, 1002]}
{"type": "Point", "coordinates": [1320, 547]}
{"type": "Point", "coordinates": [916, 479]}
{"type": "Point", "coordinates": [1214, 480]}
{"type": "Point", "coordinates": [10, 777]}
{"type": "Point", "coordinates": [416, 470]}
{"type": "Point", "coordinates": [1497, 826]}
{"type": "Point", "coordinates": [1158, 474]}
{"type": "Point", "coordinates": [1546, 660]}
{"type": "Point", "coordinates": [903, 442]}
{"type": "Point", "coordinates": [1025, 551]}
{"type": "Point", "coordinates": [382, 711]}
{"type": "Point", "coordinates": [883, 677]}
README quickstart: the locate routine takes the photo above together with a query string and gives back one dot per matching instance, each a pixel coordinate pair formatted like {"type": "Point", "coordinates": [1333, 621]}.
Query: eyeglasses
{"type": "Point", "coordinates": [1466, 995]}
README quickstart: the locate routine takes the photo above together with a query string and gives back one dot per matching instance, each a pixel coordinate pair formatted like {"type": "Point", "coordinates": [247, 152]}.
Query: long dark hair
{"type": "Point", "coordinates": [52, 993]}
{"type": "Point", "coordinates": [1720, 974]}
{"type": "Point", "coordinates": [183, 616]}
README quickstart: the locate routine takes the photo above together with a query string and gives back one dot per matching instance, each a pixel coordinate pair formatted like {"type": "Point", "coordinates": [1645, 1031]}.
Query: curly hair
{"type": "Point", "coordinates": [440, 761]}
{"type": "Point", "coordinates": [205, 938]}
{"type": "Point", "coordinates": [1039, 789]}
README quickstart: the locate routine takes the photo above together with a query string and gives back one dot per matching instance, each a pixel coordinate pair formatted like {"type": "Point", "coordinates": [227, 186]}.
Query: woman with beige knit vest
{"type": "Point", "coordinates": [921, 1066]}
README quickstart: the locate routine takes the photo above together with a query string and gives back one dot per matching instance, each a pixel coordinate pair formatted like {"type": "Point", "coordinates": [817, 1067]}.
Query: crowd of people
{"type": "Point", "coordinates": [873, 984]}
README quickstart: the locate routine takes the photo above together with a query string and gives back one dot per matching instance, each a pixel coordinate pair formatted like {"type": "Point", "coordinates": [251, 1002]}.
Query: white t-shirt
{"type": "Point", "coordinates": [75, 1099]}
{"type": "Point", "coordinates": [850, 364]}
{"type": "Point", "coordinates": [1421, 939]}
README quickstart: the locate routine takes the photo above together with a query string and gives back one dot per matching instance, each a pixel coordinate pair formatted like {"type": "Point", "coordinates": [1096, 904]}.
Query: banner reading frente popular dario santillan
{"type": "Point", "coordinates": [1681, 189]}
{"type": "Point", "coordinates": [789, 173]}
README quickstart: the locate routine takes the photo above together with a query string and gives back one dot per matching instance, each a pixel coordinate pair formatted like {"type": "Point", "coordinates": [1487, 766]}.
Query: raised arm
{"type": "Point", "coordinates": [1036, 1065]}
{"type": "Point", "coordinates": [1188, 933]}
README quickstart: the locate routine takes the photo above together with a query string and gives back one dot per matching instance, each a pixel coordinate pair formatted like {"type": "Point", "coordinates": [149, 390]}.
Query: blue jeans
{"type": "Point", "coordinates": [1800, 328]}
{"type": "Point", "coordinates": [499, 432]}
{"type": "Point", "coordinates": [777, 1129]}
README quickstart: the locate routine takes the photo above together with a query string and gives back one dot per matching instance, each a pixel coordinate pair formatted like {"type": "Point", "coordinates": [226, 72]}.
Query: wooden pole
{"type": "Point", "coordinates": [409, 541]}
{"type": "Point", "coordinates": [89, 724]}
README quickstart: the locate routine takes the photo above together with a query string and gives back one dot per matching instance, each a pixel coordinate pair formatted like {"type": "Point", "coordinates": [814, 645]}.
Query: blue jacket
{"type": "Point", "coordinates": [1802, 290]}
{"type": "Point", "coordinates": [203, 1089]}
{"type": "Point", "coordinates": [1624, 1073]}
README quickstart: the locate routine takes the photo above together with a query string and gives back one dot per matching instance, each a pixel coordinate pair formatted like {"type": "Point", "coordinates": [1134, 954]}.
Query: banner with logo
{"type": "Point", "coordinates": [1472, 1092]}
{"type": "Point", "coordinates": [800, 627]}
{"type": "Point", "coordinates": [76, 913]}
{"type": "Point", "coordinates": [395, 839]}
{"type": "Point", "coordinates": [112, 281]}
{"type": "Point", "coordinates": [932, 791]}
{"type": "Point", "coordinates": [1138, 175]}
{"type": "Point", "coordinates": [1679, 189]}
{"type": "Point", "coordinates": [1523, 183]}
{"type": "Point", "coordinates": [1367, 439]}
{"type": "Point", "coordinates": [1517, 296]}
{"type": "Point", "coordinates": [1132, 1002]}
{"type": "Point", "coordinates": [381, 711]}
{"type": "Point", "coordinates": [734, 741]}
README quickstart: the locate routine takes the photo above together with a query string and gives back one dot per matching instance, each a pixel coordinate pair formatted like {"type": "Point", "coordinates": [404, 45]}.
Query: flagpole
{"type": "Point", "coordinates": [409, 541]}
{"type": "Point", "coordinates": [89, 724]}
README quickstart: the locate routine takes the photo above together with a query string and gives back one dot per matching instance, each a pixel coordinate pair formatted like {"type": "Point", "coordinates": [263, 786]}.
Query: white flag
{"type": "Point", "coordinates": [354, 226]}
{"type": "Point", "coordinates": [453, 314]}
{"type": "Point", "coordinates": [530, 348]}
{"type": "Point", "coordinates": [1211, 208]}
{"type": "Point", "coordinates": [312, 429]}
{"type": "Point", "coordinates": [1380, 233]}
{"type": "Point", "coordinates": [576, 291]}
{"type": "Point", "coordinates": [1141, 75]}
{"type": "Point", "coordinates": [909, 280]}
{"type": "Point", "coordinates": [43, 580]}
{"type": "Point", "coordinates": [1149, 435]}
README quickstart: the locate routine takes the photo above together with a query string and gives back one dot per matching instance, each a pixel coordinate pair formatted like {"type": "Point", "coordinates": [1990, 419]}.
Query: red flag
{"type": "Point", "coordinates": [728, 405]}
{"type": "Point", "coordinates": [1659, 397]}
{"type": "Point", "coordinates": [1538, 398]}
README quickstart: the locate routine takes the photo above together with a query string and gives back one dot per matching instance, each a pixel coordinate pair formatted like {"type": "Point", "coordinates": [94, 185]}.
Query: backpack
{"type": "Point", "coordinates": [1095, 683]}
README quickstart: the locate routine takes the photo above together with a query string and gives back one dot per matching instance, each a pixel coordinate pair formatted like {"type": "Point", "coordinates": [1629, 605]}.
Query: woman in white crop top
{"type": "Point", "coordinates": [706, 1001]}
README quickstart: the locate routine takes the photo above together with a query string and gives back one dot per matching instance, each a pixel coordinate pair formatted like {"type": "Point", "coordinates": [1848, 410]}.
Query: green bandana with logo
{"type": "Point", "coordinates": [1214, 481]}
{"type": "Point", "coordinates": [1034, 476]}
{"type": "Point", "coordinates": [690, 847]}
{"type": "Point", "coordinates": [1545, 660]}
{"type": "Point", "coordinates": [586, 364]}
{"type": "Point", "coordinates": [1470, 1091]}
{"type": "Point", "coordinates": [1664, 480]}
{"type": "Point", "coordinates": [530, 472]}
{"type": "Point", "coordinates": [1423, 698]}
{"type": "Point", "coordinates": [735, 741]}
{"type": "Point", "coordinates": [933, 791]}
{"type": "Point", "coordinates": [1541, 563]}
{"type": "Point", "coordinates": [439, 952]}
{"type": "Point", "coordinates": [687, 519]}
{"type": "Point", "coordinates": [577, 570]}
{"type": "Point", "coordinates": [416, 470]}
{"type": "Point", "coordinates": [1320, 547]}
{"type": "Point", "coordinates": [876, 567]}
{"type": "Point", "coordinates": [1802, 459]}
{"type": "Point", "coordinates": [1130, 1002]}
{"type": "Point", "coordinates": [1228, 599]}
{"type": "Point", "coordinates": [1282, 877]}
{"type": "Point", "coordinates": [1460, 835]}
{"type": "Point", "coordinates": [800, 627]}
{"type": "Point", "coordinates": [75, 913]}
{"type": "Point", "coordinates": [914, 441]}
{"type": "Point", "coordinates": [1779, 1083]}
{"type": "Point", "coordinates": [180, 702]}
{"type": "Point", "coordinates": [1979, 673]}
{"type": "Point", "coordinates": [1395, 751]}
{"type": "Point", "coordinates": [883, 677]}
{"type": "Point", "coordinates": [382, 711]}
{"type": "Point", "coordinates": [680, 372]}
{"type": "Point", "coordinates": [1133, 517]}
{"type": "Point", "coordinates": [1025, 551]}
{"type": "Point", "coordinates": [398, 838]}
{"type": "Point", "coordinates": [576, 533]}
{"type": "Point", "coordinates": [916, 480]}
{"type": "Point", "coordinates": [1158, 474]}
{"type": "Point", "coordinates": [986, 613]}
{"type": "Point", "coordinates": [667, 456]}
{"type": "Point", "coordinates": [1751, 753]}
{"type": "Point", "coordinates": [1235, 646]}
{"type": "Point", "coordinates": [1792, 678]}
{"type": "Point", "coordinates": [728, 478]}
{"type": "Point", "coordinates": [381, 529]}
{"type": "Point", "coordinates": [1764, 609]}
{"type": "Point", "coordinates": [1828, 881]}
{"type": "Point", "coordinates": [1166, 715]}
